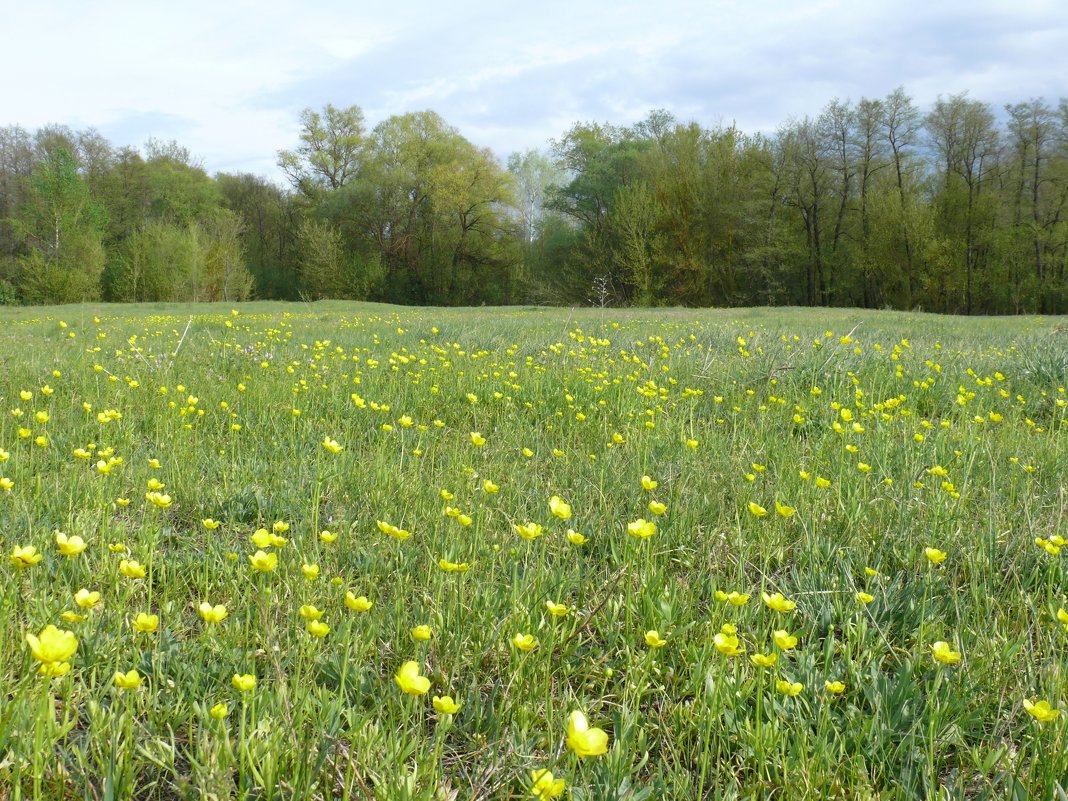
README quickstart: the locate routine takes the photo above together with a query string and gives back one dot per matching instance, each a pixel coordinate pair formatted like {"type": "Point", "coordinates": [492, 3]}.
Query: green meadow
{"type": "Point", "coordinates": [358, 551]}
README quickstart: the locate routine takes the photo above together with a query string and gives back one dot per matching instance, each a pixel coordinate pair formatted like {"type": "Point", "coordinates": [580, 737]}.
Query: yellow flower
{"type": "Point", "coordinates": [280, 527]}
{"type": "Point", "coordinates": [834, 687]}
{"type": "Point", "coordinates": [453, 567]}
{"type": "Point", "coordinates": [529, 531]}
{"type": "Point", "coordinates": [309, 612]}
{"type": "Point", "coordinates": [409, 680]}
{"type": "Point", "coordinates": [212, 614]}
{"type": "Point", "coordinates": [393, 531]}
{"type": "Point", "coordinates": [6, 484]}
{"type": "Point", "coordinates": [261, 538]}
{"type": "Point", "coordinates": [1062, 615]}
{"type": "Point", "coordinates": [1041, 710]}
{"type": "Point", "coordinates": [86, 599]}
{"type": "Point", "coordinates": [489, 486]}
{"type": "Point", "coordinates": [934, 555]}
{"type": "Point", "coordinates": [692, 444]}
{"type": "Point", "coordinates": [422, 633]}
{"type": "Point", "coordinates": [527, 452]}
{"type": "Point", "coordinates": [648, 484]}
{"type": "Point", "coordinates": [574, 537]}
{"type": "Point", "coordinates": [162, 501]}
{"type": "Point", "coordinates": [559, 508]}
{"type": "Point", "coordinates": [209, 524]}
{"type": "Point", "coordinates": [219, 711]}
{"type": "Point", "coordinates": [154, 484]}
{"type": "Point", "coordinates": [263, 562]}
{"type": "Point", "coordinates": [785, 687]}
{"type": "Point", "coordinates": [243, 682]}
{"type": "Point", "coordinates": [445, 705]}
{"type": "Point", "coordinates": [657, 508]}
{"type": "Point", "coordinates": [357, 604]}
{"type": "Point", "coordinates": [557, 610]}
{"type": "Point", "coordinates": [54, 670]}
{"type": "Point", "coordinates": [69, 546]}
{"type": "Point", "coordinates": [477, 439]}
{"type": "Point", "coordinates": [654, 640]}
{"type": "Point", "coordinates": [784, 639]}
{"type": "Point", "coordinates": [727, 644]}
{"type": "Point", "coordinates": [71, 616]}
{"type": "Point", "coordinates": [318, 628]}
{"type": "Point", "coordinates": [525, 642]}
{"type": "Point", "coordinates": [822, 483]}
{"type": "Point", "coordinates": [944, 654]}
{"type": "Point", "coordinates": [328, 536]}
{"type": "Point", "coordinates": [641, 528]}
{"type": "Point", "coordinates": [756, 510]}
{"type": "Point", "coordinates": [52, 645]}
{"type": "Point", "coordinates": [764, 660]}
{"type": "Point", "coordinates": [545, 786]}
{"type": "Point", "coordinates": [132, 569]}
{"type": "Point", "coordinates": [332, 445]}
{"type": "Point", "coordinates": [584, 740]}
{"type": "Point", "coordinates": [146, 623]}
{"type": "Point", "coordinates": [783, 510]}
{"type": "Point", "coordinates": [865, 598]}
{"type": "Point", "coordinates": [130, 680]}
{"type": "Point", "coordinates": [24, 556]}
{"type": "Point", "coordinates": [778, 603]}
{"type": "Point", "coordinates": [734, 598]}
{"type": "Point", "coordinates": [311, 572]}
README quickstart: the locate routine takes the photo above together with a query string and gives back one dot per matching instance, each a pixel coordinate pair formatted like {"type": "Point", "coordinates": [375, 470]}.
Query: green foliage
{"type": "Point", "coordinates": [870, 204]}
{"type": "Point", "coordinates": [431, 209]}
{"type": "Point", "coordinates": [74, 277]}
{"type": "Point", "coordinates": [222, 272]}
{"type": "Point", "coordinates": [60, 227]}
{"type": "Point", "coordinates": [158, 263]}
{"type": "Point", "coordinates": [268, 221]}
{"type": "Point", "coordinates": [326, 270]}
{"type": "Point", "coordinates": [330, 150]}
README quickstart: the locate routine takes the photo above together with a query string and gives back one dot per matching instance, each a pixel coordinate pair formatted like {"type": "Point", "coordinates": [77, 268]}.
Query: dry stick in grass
{"type": "Point", "coordinates": [612, 584]}
{"type": "Point", "coordinates": [180, 341]}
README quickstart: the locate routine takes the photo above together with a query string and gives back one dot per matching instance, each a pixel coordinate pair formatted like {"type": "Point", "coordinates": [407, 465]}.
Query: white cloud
{"type": "Point", "coordinates": [227, 79]}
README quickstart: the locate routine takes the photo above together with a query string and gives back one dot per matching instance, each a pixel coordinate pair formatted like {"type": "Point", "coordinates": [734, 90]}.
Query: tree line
{"type": "Point", "coordinates": [960, 208]}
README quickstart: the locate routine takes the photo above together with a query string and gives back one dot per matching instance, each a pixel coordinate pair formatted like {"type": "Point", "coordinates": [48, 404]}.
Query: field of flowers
{"type": "Point", "coordinates": [356, 551]}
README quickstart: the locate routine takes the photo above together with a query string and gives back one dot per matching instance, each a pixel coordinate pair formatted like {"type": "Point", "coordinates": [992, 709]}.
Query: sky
{"type": "Point", "coordinates": [227, 79]}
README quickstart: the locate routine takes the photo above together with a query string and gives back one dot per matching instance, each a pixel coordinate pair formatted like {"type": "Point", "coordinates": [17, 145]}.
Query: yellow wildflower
{"type": "Point", "coordinates": [409, 680]}
{"type": "Point", "coordinates": [130, 680]}
{"type": "Point", "coordinates": [583, 739]}
{"type": "Point", "coordinates": [445, 705]}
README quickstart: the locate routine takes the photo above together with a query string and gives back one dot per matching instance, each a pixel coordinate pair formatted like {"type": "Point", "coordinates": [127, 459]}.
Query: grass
{"type": "Point", "coordinates": [886, 433]}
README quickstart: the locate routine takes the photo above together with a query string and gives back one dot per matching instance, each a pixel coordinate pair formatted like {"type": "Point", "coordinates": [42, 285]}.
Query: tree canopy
{"type": "Point", "coordinates": [960, 207]}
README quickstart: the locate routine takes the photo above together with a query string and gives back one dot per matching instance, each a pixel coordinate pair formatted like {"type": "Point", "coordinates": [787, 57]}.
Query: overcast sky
{"type": "Point", "coordinates": [228, 79]}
